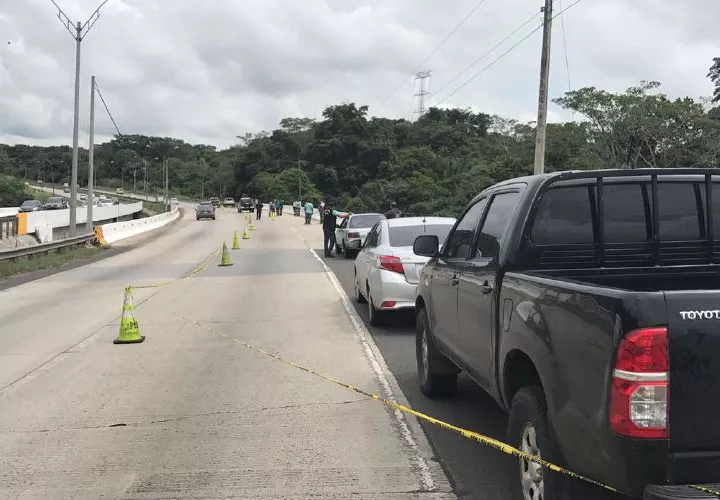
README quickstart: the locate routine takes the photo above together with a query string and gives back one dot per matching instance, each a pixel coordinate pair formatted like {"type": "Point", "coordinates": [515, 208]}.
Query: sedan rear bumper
{"type": "Point", "coordinates": [392, 287]}
{"type": "Point", "coordinates": [664, 492]}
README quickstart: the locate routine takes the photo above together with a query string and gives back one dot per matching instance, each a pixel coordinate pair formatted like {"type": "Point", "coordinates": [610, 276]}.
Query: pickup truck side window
{"type": "Point", "coordinates": [496, 221]}
{"type": "Point", "coordinates": [564, 216]}
{"type": "Point", "coordinates": [459, 243]}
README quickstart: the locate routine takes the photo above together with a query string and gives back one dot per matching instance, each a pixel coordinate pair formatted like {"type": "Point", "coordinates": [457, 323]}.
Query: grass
{"type": "Point", "coordinates": [50, 260]}
{"type": "Point", "coordinates": [36, 194]}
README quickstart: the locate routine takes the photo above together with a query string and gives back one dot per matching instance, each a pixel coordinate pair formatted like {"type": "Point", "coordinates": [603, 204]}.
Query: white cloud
{"type": "Point", "coordinates": [208, 71]}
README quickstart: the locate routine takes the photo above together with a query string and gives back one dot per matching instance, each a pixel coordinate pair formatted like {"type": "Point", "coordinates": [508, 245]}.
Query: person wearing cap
{"type": "Point", "coordinates": [329, 217]}
{"type": "Point", "coordinates": [394, 211]}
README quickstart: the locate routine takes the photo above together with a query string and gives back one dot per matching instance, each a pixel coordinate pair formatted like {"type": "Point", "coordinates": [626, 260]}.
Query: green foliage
{"type": "Point", "coordinates": [432, 166]}
{"type": "Point", "coordinates": [12, 191]}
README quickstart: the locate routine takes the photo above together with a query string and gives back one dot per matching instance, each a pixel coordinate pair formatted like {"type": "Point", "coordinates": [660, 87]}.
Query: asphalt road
{"type": "Point", "coordinates": [192, 412]}
{"type": "Point", "coordinates": [476, 472]}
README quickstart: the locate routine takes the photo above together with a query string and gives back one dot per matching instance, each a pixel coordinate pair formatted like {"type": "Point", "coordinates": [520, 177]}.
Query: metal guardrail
{"type": "Point", "coordinates": [46, 247]}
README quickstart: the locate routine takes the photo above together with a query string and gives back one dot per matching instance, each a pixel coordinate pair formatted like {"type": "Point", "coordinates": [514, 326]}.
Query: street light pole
{"type": "Point", "coordinates": [91, 159]}
{"type": "Point", "coordinates": [78, 31]}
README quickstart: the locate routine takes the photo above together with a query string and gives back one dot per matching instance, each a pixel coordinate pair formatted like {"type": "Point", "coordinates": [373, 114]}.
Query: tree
{"type": "Point", "coordinates": [714, 76]}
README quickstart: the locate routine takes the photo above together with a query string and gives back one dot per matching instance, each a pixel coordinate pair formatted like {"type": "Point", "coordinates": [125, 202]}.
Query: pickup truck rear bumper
{"type": "Point", "coordinates": [661, 492]}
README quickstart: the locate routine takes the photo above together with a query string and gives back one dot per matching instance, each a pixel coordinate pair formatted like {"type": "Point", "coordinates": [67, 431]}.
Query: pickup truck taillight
{"type": "Point", "coordinates": [639, 393]}
{"type": "Point", "coordinates": [391, 263]}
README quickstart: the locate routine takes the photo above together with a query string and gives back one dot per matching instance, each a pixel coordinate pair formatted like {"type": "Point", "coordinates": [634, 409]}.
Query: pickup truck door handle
{"type": "Point", "coordinates": [486, 288]}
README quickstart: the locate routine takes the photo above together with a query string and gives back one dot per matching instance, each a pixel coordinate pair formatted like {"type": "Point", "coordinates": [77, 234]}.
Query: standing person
{"type": "Point", "coordinates": [258, 209]}
{"type": "Point", "coordinates": [308, 212]}
{"type": "Point", "coordinates": [278, 206]}
{"type": "Point", "coordinates": [321, 209]}
{"type": "Point", "coordinates": [394, 211]}
{"type": "Point", "coordinates": [329, 226]}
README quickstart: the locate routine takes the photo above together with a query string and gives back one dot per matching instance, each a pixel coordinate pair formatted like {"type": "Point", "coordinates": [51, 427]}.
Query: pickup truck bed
{"type": "Point", "coordinates": [591, 313]}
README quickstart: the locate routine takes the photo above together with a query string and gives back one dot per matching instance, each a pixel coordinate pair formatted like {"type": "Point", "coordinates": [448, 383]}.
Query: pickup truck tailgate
{"type": "Point", "coordinates": [694, 398]}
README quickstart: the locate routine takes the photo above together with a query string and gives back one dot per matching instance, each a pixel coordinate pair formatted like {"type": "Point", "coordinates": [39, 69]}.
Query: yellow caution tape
{"type": "Point", "coordinates": [200, 268]}
{"type": "Point", "coordinates": [480, 438]}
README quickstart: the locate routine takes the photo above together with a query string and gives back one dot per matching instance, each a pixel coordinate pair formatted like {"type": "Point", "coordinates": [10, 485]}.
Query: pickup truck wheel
{"type": "Point", "coordinates": [432, 383]}
{"type": "Point", "coordinates": [529, 432]}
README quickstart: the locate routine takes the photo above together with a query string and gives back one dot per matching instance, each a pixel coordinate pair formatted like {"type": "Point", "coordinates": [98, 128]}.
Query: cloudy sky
{"type": "Point", "coordinates": [207, 71]}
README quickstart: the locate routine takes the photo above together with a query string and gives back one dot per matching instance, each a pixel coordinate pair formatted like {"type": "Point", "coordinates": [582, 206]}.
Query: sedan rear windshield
{"type": "Point", "coordinates": [404, 236]}
{"type": "Point", "coordinates": [364, 220]}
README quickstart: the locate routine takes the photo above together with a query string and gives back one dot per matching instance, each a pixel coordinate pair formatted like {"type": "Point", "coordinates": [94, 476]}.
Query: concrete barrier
{"type": "Point", "coordinates": [50, 225]}
{"type": "Point", "coordinates": [120, 230]}
{"type": "Point", "coordinates": [4, 212]}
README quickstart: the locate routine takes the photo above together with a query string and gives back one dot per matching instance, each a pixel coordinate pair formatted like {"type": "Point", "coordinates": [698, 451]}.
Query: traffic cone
{"type": "Point", "coordinates": [246, 235]}
{"type": "Point", "coordinates": [129, 330]}
{"type": "Point", "coordinates": [225, 260]}
{"type": "Point", "coordinates": [236, 241]}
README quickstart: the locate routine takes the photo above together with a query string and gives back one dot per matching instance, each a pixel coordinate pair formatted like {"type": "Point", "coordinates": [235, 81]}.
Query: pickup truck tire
{"type": "Point", "coordinates": [438, 377]}
{"type": "Point", "coordinates": [528, 431]}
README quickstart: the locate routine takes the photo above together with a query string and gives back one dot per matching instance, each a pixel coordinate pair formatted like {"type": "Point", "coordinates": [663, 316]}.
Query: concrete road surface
{"type": "Point", "coordinates": [192, 413]}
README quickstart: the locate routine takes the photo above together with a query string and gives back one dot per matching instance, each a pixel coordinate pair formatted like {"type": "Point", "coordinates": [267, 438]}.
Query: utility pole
{"type": "Point", "coordinates": [78, 31]}
{"type": "Point", "coordinates": [91, 159]}
{"type": "Point", "coordinates": [541, 132]}
{"type": "Point", "coordinates": [165, 197]}
{"type": "Point", "coordinates": [422, 93]}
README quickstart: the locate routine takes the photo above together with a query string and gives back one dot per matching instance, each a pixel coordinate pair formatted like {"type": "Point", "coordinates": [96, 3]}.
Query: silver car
{"type": "Point", "coordinates": [387, 269]}
{"type": "Point", "coordinates": [351, 234]}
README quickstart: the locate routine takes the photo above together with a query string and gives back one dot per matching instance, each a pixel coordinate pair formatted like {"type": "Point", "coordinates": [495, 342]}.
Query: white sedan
{"type": "Point", "coordinates": [353, 230]}
{"type": "Point", "coordinates": [387, 269]}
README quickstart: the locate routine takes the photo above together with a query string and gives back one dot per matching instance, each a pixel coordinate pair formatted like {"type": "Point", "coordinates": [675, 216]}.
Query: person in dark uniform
{"type": "Point", "coordinates": [329, 226]}
{"type": "Point", "coordinates": [394, 211]}
{"type": "Point", "coordinates": [258, 209]}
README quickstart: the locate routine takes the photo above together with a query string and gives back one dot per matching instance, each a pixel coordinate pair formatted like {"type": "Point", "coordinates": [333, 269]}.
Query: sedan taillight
{"type": "Point", "coordinates": [391, 263]}
{"type": "Point", "coordinates": [353, 235]}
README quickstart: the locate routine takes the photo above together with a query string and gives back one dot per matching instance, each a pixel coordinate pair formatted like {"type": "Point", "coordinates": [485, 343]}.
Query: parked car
{"type": "Point", "coordinates": [215, 201]}
{"type": "Point", "coordinates": [105, 203]}
{"type": "Point", "coordinates": [586, 304]}
{"type": "Point", "coordinates": [30, 206]}
{"type": "Point", "coordinates": [246, 204]}
{"type": "Point", "coordinates": [55, 203]}
{"type": "Point", "coordinates": [228, 202]}
{"type": "Point", "coordinates": [174, 201]}
{"type": "Point", "coordinates": [205, 211]}
{"type": "Point", "coordinates": [386, 269]}
{"type": "Point", "coordinates": [353, 230]}
{"type": "Point", "coordinates": [119, 191]}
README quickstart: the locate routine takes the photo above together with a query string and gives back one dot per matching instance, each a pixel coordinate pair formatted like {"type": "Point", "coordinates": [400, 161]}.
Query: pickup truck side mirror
{"type": "Point", "coordinates": [426, 245]}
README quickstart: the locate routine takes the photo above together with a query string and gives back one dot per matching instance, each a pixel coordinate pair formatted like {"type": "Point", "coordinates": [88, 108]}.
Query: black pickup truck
{"type": "Point", "coordinates": [588, 305]}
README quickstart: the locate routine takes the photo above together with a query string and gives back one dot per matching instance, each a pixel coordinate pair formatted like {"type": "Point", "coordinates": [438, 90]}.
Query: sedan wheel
{"type": "Point", "coordinates": [358, 295]}
{"type": "Point", "coordinates": [373, 313]}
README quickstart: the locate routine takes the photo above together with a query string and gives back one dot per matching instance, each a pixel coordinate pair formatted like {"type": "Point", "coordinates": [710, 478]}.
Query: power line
{"type": "Point", "coordinates": [474, 63]}
{"type": "Point", "coordinates": [508, 51]}
{"type": "Point", "coordinates": [567, 60]}
{"type": "Point", "coordinates": [97, 88]}
{"type": "Point", "coordinates": [438, 47]}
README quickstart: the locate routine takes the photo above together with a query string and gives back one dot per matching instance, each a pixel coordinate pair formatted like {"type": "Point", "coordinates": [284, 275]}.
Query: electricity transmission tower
{"type": "Point", "coordinates": [422, 77]}
{"type": "Point", "coordinates": [78, 31]}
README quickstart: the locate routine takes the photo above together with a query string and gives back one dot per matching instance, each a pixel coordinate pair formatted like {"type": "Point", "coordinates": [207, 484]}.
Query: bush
{"type": "Point", "coordinates": [12, 191]}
